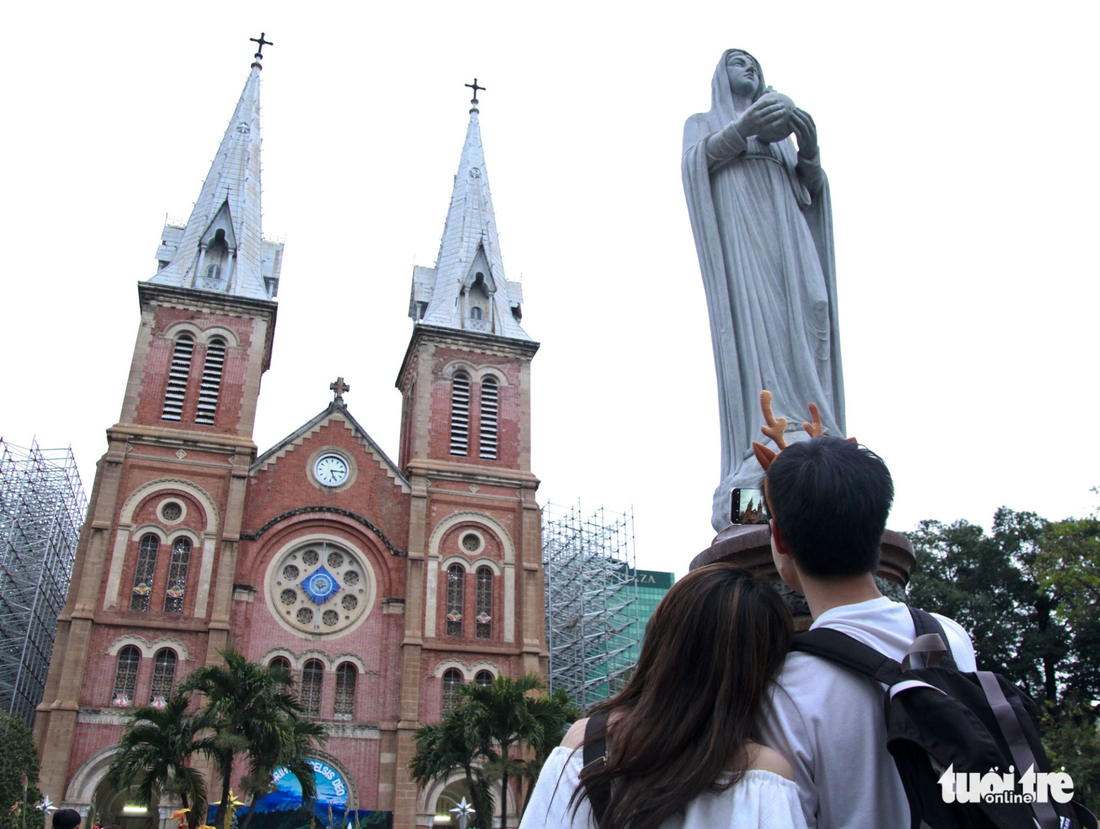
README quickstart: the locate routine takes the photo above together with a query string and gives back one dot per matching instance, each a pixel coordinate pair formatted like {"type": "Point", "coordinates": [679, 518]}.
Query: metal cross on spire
{"type": "Point", "coordinates": [474, 87]}
{"type": "Point", "coordinates": [339, 387]}
{"type": "Point", "coordinates": [261, 43]}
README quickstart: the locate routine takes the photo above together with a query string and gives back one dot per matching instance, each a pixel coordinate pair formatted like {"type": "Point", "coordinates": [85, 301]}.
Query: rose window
{"type": "Point", "coordinates": [319, 588]}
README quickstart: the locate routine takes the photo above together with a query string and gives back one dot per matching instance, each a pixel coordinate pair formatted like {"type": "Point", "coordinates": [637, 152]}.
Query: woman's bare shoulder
{"type": "Point", "coordinates": [575, 735]}
{"type": "Point", "coordinates": [762, 758]}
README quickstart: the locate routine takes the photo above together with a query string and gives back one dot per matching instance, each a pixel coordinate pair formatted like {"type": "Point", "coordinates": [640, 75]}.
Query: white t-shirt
{"type": "Point", "coordinates": [758, 799]}
{"type": "Point", "coordinates": [828, 721]}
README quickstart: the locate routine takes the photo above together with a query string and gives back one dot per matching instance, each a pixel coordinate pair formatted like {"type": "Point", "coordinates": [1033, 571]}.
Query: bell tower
{"type": "Point", "coordinates": [153, 576]}
{"type": "Point", "coordinates": [474, 604]}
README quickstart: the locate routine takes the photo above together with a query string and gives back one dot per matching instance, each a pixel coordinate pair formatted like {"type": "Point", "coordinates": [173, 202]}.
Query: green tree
{"type": "Point", "coordinates": [249, 707]}
{"type": "Point", "coordinates": [553, 714]}
{"type": "Point", "coordinates": [495, 732]}
{"type": "Point", "coordinates": [452, 745]}
{"type": "Point", "coordinates": [154, 755]}
{"type": "Point", "coordinates": [1027, 593]}
{"type": "Point", "coordinates": [988, 583]}
{"type": "Point", "coordinates": [286, 747]}
{"type": "Point", "coordinates": [18, 756]}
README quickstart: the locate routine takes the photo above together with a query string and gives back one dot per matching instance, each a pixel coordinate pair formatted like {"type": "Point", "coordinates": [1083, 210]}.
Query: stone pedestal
{"type": "Point", "coordinates": [749, 546]}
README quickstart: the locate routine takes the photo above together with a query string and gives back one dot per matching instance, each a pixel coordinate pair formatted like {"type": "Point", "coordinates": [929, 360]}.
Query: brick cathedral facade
{"type": "Point", "coordinates": [380, 585]}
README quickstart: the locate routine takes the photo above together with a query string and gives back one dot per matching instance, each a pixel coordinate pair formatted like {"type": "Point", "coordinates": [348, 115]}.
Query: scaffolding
{"type": "Point", "coordinates": [592, 627]}
{"type": "Point", "coordinates": [42, 506]}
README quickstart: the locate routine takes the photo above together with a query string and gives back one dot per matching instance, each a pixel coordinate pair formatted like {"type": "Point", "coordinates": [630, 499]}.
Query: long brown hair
{"type": "Point", "coordinates": [711, 650]}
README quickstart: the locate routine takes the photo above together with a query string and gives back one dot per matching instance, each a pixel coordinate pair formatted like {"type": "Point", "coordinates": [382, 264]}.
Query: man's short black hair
{"type": "Point", "coordinates": [66, 819]}
{"type": "Point", "coordinates": [830, 498]}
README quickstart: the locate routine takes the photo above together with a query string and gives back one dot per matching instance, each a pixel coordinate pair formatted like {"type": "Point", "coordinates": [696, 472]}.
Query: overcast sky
{"type": "Point", "coordinates": [959, 140]}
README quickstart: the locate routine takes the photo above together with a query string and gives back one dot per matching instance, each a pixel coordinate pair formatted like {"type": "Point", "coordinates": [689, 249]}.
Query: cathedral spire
{"type": "Point", "coordinates": [467, 288]}
{"type": "Point", "coordinates": [221, 248]}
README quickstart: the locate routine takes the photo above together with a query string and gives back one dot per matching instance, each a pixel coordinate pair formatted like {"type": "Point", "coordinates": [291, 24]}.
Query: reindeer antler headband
{"type": "Point", "coordinates": [774, 427]}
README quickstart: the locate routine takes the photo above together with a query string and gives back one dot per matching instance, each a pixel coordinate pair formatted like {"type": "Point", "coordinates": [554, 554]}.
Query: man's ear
{"type": "Point", "coordinates": [778, 539]}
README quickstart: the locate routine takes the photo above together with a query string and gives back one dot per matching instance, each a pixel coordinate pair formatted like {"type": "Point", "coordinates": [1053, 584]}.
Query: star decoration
{"type": "Point", "coordinates": [463, 808]}
{"type": "Point", "coordinates": [230, 807]}
{"type": "Point", "coordinates": [46, 806]}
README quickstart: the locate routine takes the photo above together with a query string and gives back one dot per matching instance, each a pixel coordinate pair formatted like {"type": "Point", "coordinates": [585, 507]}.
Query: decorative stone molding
{"type": "Point", "coordinates": [469, 516]}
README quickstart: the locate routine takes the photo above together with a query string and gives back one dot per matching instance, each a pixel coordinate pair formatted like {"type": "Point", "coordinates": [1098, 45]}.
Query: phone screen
{"type": "Point", "coordinates": [747, 506]}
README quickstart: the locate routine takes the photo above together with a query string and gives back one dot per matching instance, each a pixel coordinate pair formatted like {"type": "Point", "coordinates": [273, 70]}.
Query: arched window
{"type": "Point", "coordinates": [484, 617]}
{"type": "Point", "coordinates": [345, 691]}
{"type": "Point", "coordinates": [476, 313]}
{"type": "Point", "coordinates": [164, 675]}
{"type": "Point", "coordinates": [313, 676]}
{"type": "Point", "coordinates": [211, 382]}
{"type": "Point", "coordinates": [144, 572]}
{"type": "Point", "coordinates": [489, 399]}
{"type": "Point", "coordinates": [214, 272]}
{"type": "Point", "coordinates": [177, 378]}
{"type": "Point", "coordinates": [456, 598]}
{"type": "Point", "coordinates": [126, 677]}
{"type": "Point", "coordinates": [460, 414]}
{"type": "Point", "coordinates": [484, 678]}
{"type": "Point", "coordinates": [177, 576]}
{"type": "Point", "coordinates": [452, 678]}
{"type": "Point", "coordinates": [280, 663]}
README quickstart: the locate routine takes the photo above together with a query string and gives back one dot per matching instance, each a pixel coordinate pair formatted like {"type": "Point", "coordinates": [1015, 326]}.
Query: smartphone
{"type": "Point", "coordinates": [747, 506]}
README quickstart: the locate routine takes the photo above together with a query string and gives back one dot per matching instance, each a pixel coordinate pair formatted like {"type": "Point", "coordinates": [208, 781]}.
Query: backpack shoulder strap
{"type": "Point", "coordinates": [850, 653]}
{"type": "Point", "coordinates": [595, 751]}
{"type": "Point", "coordinates": [924, 623]}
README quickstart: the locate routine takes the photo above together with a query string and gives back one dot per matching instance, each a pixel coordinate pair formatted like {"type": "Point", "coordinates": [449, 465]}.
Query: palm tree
{"type": "Point", "coordinates": [154, 752]}
{"type": "Point", "coordinates": [554, 714]}
{"type": "Point", "coordinates": [288, 748]}
{"type": "Point", "coordinates": [249, 707]}
{"type": "Point", "coordinates": [447, 746]}
{"type": "Point", "coordinates": [499, 716]}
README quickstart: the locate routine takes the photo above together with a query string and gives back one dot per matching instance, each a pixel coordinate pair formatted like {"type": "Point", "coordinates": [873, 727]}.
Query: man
{"type": "Point", "coordinates": [66, 819]}
{"type": "Point", "coordinates": [829, 500]}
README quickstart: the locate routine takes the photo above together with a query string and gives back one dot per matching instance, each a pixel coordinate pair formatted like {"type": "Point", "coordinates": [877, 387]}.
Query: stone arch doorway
{"type": "Point", "coordinates": [122, 808]}
{"type": "Point", "coordinates": [448, 799]}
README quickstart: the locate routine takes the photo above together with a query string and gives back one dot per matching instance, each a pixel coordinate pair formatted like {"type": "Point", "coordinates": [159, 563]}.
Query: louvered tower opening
{"type": "Point", "coordinates": [211, 382]}
{"type": "Point", "coordinates": [460, 414]}
{"type": "Point", "coordinates": [177, 378]}
{"type": "Point", "coordinates": [489, 409]}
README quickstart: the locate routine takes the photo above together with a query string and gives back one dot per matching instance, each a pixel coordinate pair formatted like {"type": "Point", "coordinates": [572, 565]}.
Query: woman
{"type": "Point", "coordinates": [763, 231]}
{"type": "Point", "coordinates": [679, 745]}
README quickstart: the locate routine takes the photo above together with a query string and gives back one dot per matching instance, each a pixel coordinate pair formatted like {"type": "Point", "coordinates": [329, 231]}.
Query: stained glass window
{"type": "Point", "coordinates": [129, 658]}
{"type": "Point", "coordinates": [177, 576]}
{"type": "Point", "coordinates": [456, 598]}
{"type": "Point", "coordinates": [313, 677]}
{"type": "Point", "coordinates": [345, 691]}
{"type": "Point", "coordinates": [164, 675]}
{"type": "Point", "coordinates": [452, 678]}
{"type": "Point", "coordinates": [484, 618]}
{"type": "Point", "coordinates": [144, 572]}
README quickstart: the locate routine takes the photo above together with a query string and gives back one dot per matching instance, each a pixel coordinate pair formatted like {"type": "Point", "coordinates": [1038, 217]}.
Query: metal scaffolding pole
{"type": "Point", "coordinates": [42, 506]}
{"type": "Point", "coordinates": [591, 601]}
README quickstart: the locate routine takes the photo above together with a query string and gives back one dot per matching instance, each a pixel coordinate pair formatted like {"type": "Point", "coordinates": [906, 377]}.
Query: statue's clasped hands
{"type": "Point", "coordinates": [773, 116]}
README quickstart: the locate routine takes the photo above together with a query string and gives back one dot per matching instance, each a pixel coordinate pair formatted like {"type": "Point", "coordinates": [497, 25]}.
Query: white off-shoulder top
{"type": "Point", "coordinates": [758, 799]}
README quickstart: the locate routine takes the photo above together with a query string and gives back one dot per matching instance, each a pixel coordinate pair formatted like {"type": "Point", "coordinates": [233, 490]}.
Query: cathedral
{"type": "Point", "coordinates": [380, 584]}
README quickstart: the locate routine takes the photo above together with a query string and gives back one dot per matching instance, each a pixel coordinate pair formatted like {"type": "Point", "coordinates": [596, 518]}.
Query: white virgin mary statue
{"type": "Point", "coordinates": [763, 228]}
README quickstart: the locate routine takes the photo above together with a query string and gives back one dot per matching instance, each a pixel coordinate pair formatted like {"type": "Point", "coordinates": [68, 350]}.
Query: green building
{"type": "Point", "coordinates": [651, 586]}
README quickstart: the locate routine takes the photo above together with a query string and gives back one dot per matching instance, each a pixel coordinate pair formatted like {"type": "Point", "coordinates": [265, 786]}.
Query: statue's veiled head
{"type": "Point", "coordinates": [738, 75]}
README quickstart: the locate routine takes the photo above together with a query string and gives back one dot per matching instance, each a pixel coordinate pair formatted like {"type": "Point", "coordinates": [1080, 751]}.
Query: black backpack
{"type": "Point", "coordinates": [940, 718]}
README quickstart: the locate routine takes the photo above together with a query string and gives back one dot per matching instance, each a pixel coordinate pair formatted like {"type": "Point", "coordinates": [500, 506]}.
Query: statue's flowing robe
{"type": "Point", "coordinates": [764, 236]}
